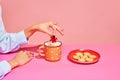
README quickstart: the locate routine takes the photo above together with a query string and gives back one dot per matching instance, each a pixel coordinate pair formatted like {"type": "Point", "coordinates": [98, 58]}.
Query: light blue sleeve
{"type": "Point", "coordinates": [10, 42]}
{"type": "Point", "coordinates": [4, 68]}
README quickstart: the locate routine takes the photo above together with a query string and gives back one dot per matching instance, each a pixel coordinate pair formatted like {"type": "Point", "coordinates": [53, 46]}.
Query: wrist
{"type": "Point", "coordinates": [30, 31]}
{"type": "Point", "coordinates": [13, 63]}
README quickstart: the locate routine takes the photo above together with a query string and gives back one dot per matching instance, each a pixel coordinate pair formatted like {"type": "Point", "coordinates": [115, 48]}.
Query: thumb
{"type": "Point", "coordinates": [49, 33]}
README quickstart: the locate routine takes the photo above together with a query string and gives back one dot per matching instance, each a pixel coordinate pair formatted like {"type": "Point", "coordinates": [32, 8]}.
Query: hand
{"type": "Point", "coordinates": [49, 28]}
{"type": "Point", "coordinates": [20, 59]}
{"type": "Point", "coordinates": [45, 27]}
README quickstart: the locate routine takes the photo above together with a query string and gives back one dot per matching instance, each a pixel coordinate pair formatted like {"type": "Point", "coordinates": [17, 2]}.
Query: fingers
{"type": "Point", "coordinates": [60, 30]}
{"type": "Point", "coordinates": [30, 55]}
{"type": "Point", "coordinates": [56, 28]}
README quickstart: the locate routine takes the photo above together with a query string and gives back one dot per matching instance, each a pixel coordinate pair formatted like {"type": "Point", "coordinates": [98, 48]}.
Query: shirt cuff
{"type": "Point", "coordinates": [21, 38]}
{"type": "Point", "coordinates": [5, 66]}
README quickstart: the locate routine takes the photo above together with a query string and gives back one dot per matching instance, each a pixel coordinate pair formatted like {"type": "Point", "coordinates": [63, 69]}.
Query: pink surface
{"type": "Point", "coordinates": [84, 21]}
{"type": "Point", "coordinates": [39, 69]}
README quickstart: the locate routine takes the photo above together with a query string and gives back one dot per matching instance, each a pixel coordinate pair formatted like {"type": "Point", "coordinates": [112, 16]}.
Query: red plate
{"type": "Point", "coordinates": [72, 53]}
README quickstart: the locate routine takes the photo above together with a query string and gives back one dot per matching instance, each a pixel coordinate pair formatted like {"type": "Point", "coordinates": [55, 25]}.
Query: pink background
{"type": "Point", "coordinates": [84, 21]}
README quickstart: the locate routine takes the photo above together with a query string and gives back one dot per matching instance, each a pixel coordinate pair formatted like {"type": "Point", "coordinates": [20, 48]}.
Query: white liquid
{"type": "Point", "coordinates": [49, 43]}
